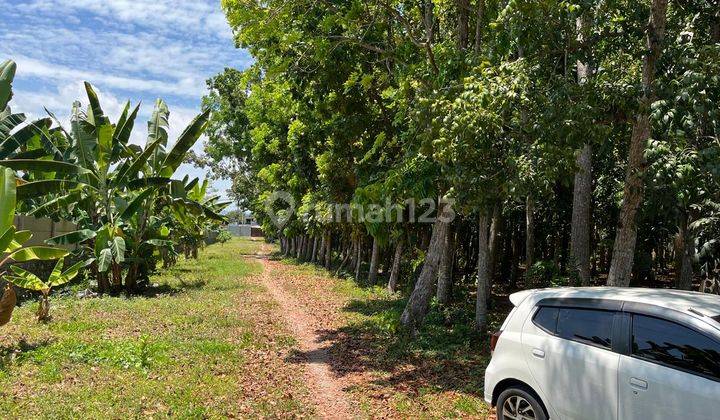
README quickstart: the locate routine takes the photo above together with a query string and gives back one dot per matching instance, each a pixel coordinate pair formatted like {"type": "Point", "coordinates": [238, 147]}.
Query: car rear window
{"type": "Point", "coordinates": [586, 325]}
{"type": "Point", "coordinates": [546, 318]}
{"type": "Point", "coordinates": [675, 346]}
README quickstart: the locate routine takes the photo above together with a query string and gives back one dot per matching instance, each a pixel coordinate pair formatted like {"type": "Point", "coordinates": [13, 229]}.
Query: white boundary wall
{"type": "Point", "coordinates": [43, 229]}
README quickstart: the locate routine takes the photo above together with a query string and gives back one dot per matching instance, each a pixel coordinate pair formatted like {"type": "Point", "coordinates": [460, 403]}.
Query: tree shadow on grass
{"type": "Point", "coordinates": [12, 352]}
{"type": "Point", "coordinates": [179, 285]}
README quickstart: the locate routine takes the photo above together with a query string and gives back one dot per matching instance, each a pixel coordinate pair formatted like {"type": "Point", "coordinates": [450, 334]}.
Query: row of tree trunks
{"type": "Point", "coordinates": [626, 236]}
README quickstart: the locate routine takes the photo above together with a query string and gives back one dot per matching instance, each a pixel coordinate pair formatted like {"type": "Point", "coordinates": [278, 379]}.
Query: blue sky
{"type": "Point", "coordinates": [135, 50]}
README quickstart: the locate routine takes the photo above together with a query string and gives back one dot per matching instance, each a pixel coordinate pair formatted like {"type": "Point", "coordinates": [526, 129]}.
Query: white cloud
{"type": "Point", "coordinates": [163, 15]}
{"type": "Point", "coordinates": [183, 87]}
{"type": "Point", "coordinates": [128, 49]}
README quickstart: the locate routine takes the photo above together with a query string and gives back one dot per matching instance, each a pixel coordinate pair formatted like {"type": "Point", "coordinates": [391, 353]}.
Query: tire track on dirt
{"type": "Point", "coordinates": [331, 401]}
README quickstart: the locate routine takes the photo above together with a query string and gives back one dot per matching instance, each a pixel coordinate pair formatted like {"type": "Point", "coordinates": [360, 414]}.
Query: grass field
{"type": "Point", "coordinates": [211, 346]}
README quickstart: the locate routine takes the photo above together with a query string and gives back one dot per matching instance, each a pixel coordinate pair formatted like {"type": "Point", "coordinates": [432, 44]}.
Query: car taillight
{"type": "Point", "coordinates": [494, 340]}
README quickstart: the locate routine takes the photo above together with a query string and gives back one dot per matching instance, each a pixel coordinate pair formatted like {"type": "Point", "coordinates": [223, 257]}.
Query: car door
{"type": "Point", "coordinates": [568, 352]}
{"type": "Point", "coordinates": [673, 372]}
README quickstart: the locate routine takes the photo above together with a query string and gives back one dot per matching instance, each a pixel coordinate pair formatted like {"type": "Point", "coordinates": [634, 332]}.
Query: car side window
{"type": "Point", "coordinates": [586, 325]}
{"type": "Point", "coordinates": [546, 318]}
{"type": "Point", "coordinates": [675, 345]}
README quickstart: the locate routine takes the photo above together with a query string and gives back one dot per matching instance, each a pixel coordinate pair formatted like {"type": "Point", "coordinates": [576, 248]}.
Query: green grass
{"type": "Point", "coordinates": [200, 350]}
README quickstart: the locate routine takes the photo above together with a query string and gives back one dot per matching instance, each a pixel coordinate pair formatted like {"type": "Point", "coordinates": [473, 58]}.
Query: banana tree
{"type": "Point", "coordinates": [19, 139]}
{"type": "Point", "coordinates": [12, 244]}
{"type": "Point", "coordinates": [108, 187]}
{"type": "Point", "coordinates": [193, 214]}
{"type": "Point", "coordinates": [58, 277]}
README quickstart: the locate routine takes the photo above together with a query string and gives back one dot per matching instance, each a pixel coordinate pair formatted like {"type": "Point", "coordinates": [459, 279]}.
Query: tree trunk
{"type": "Point", "coordinates": [478, 25]}
{"type": "Point", "coordinates": [463, 7]}
{"type": "Point", "coordinates": [529, 232]}
{"type": "Point", "coordinates": [580, 226]}
{"type": "Point", "coordinates": [348, 256]}
{"type": "Point", "coordinates": [626, 235]}
{"type": "Point", "coordinates": [43, 311]}
{"type": "Point", "coordinates": [307, 252]}
{"type": "Point", "coordinates": [445, 275]}
{"type": "Point", "coordinates": [328, 251]}
{"type": "Point", "coordinates": [313, 257]}
{"type": "Point", "coordinates": [495, 227]}
{"type": "Point", "coordinates": [419, 302]}
{"type": "Point", "coordinates": [483, 276]}
{"type": "Point", "coordinates": [515, 259]}
{"type": "Point", "coordinates": [131, 280]}
{"type": "Point", "coordinates": [395, 273]}
{"type": "Point", "coordinates": [685, 254]}
{"type": "Point", "coordinates": [358, 258]}
{"type": "Point", "coordinates": [321, 250]}
{"type": "Point", "coordinates": [582, 189]}
{"type": "Point", "coordinates": [300, 246]}
{"type": "Point", "coordinates": [116, 276]}
{"type": "Point", "coordinates": [374, 262]}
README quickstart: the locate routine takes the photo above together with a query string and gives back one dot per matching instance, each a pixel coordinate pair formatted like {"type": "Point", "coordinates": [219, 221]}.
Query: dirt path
{"type": "Point", "coordinates": [327, 390]}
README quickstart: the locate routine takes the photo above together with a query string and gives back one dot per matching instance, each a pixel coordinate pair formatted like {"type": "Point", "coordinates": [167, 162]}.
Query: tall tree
{"type": "Point", "coordinates": [626, 234]}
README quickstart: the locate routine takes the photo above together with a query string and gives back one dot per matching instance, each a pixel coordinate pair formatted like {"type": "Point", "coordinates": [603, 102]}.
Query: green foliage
{"type": "Point", "coordinates": [121, 197]}
{"type": "Point", "coordinates": [224, 236]}
{"type": "Point", "coordinates": [546, 274]}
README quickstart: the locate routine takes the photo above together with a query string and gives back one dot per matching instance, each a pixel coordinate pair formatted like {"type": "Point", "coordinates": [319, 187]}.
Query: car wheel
{"type": "Point", "coordinates": [519, 404]}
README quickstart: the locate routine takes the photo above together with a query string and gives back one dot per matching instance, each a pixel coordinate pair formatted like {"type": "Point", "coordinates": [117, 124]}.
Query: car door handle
{"type": "Point", "coordinates": [638, 383]}
{"type": "Point", "coordinates": [540, 354]}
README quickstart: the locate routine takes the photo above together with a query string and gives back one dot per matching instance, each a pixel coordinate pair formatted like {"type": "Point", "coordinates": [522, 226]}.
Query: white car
{"type": "Point", "coordinates": [607, 353]}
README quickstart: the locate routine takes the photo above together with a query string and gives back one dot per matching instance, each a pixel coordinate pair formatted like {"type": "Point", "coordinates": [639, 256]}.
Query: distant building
{"type": "Point", "coordinates": [249, 227]}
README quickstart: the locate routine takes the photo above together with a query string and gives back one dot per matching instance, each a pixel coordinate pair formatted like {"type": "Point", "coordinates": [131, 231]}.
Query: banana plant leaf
{"type": "Point", "coordinates": [125, 124]}
{"type": "Point", "coordinates": [154, 181]}
{"type": "Point", "coordinates": [67, 275]}
{"type": "Point", "coordinates": [6, 239]}
{"type": "Point", "coordinates": [72, 238]}
{"type": "Point", "coordinates": [45, 166]}
{"type": "Point", "coordinates": [137, 164]}
{"type": "Point", "coordinates": [104, 260]}
{"type": "Point", "coordinates": [42, 253]}
{"type": "Point", "coordinates": [186, 140]}
{"type": "Point", "coordinates": [136, 204]}
{"type": "Point", "coordinates": [44, 187]}
{"type": "Point", "coordinates": [7, 74]}
{"type": "Point", "coordinates": [8, 197]}
{"type": "Point", "coordinates": [19, 240]}
{"type": "Point", "coordinates": [56, 204]}
{"type": "Point", "coordinates": [27, 280]}
{"type": "Point", "coordinates": [22, 137]}
{"type": "Point", "coordinates": [117, 246]}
